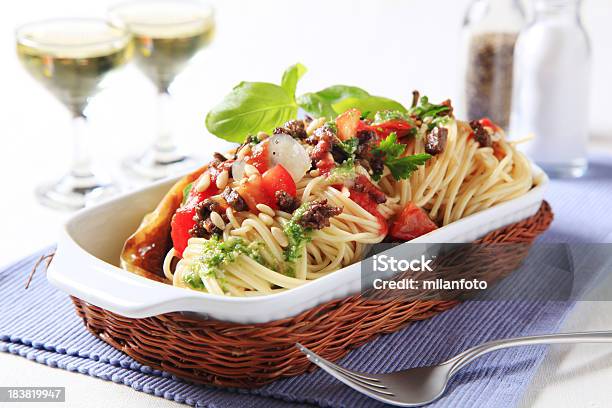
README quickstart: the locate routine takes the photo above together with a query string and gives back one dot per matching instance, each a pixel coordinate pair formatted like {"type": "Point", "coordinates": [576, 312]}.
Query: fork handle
{"type": "Point", "coordinates": [466, 357]}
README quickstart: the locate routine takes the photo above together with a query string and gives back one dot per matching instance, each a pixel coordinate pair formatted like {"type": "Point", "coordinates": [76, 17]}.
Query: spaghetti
{"type": "Point", "coordinates": [311, 199]}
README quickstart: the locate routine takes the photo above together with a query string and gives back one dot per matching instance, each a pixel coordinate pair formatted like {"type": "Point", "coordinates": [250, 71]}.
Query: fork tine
{"type": "Point", "coordinates": [352, 382]}
{"type": "Point", "coordinates": [361, 376]}
{"type": "Point", "coordinates": [357, 377]}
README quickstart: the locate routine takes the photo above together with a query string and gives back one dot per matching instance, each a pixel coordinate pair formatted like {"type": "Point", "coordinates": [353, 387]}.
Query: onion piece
{"type": "Point", "coordinates": [290, 154]}
{"type": "Point", "coordinates": [238, 169]}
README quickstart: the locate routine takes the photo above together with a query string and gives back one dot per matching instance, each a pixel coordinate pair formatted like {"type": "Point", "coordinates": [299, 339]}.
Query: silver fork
{"type": "Point", "coordinates": [422, 385]}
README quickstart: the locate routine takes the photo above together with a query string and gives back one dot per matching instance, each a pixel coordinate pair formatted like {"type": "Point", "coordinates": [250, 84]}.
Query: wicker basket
{"type": "Point", "coordinates": [249, 356]}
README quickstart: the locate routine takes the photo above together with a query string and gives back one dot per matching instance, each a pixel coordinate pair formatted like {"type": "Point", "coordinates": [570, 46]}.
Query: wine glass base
{"type": "Point", "coordinates": [150, 168]}
{"type": "Point", "coordinates": [72, 192]}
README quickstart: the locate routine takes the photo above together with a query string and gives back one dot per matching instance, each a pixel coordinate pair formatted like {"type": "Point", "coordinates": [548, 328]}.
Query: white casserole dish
{"type": "Point", "coordinates": [85, 263]}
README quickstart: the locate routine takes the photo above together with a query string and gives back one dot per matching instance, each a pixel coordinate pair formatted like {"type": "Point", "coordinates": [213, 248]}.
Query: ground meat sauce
{"type": "Point", "coordinates": [318, 214]}
{"type": "Point", "coordinates": [218, 156]}
{"type": "Point", "coordinates": [435, 141]}
{"type": "Point", "coordinates": [286, 202]}
{"type": "Point", "coordinates": [234, 199]}
{"type": "Point", "coordinates": [450, 111]}
{"type": "Point", "coordinates": [480, 134]}
{"type": "Point", "coordinates": [323, 140]}
{"type": "Point", "coordinates": [338, 153]}
{"type": "Point", "coordinates": [415, 98]}
{"type": "Point", "coordinates": [365, 138]}
{"type": "Point", "coordinates": [364, 154]}
{"type": "Point", "coordinates": [204, 227]}
{"type": "Point", "coordinates": [293, 128]}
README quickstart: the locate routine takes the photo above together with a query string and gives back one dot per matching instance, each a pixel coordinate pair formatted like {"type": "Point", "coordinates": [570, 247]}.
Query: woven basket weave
{"type": "Point", "coordinates": [252, 355]}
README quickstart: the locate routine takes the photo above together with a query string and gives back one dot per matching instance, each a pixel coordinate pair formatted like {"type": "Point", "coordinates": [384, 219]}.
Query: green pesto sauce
{"type": "Point", "coordinates": [296, 235]}
{"type": "Point", "coordinates": [331, 125]}
{"type": "Point", "coordinates": [342, 172]}
{"type": "Point", "coordinates": [215, 255]}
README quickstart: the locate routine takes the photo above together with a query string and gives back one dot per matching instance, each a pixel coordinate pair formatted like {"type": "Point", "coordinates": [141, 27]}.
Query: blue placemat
{"type": "Point", "coordinates": [40, 324]}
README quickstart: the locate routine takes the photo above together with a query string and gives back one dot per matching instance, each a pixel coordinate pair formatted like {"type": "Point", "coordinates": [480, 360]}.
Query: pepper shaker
{"type": "Point", "coordinates": [551, 92]}
{"type": "Point", "coordinates": [490, 30]}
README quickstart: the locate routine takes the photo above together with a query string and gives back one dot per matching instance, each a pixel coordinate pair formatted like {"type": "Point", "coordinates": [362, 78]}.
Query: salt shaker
{"type": "Point", "coordinates": [490, 30]}
{"type": "Point", "coordinates": [551, 91]}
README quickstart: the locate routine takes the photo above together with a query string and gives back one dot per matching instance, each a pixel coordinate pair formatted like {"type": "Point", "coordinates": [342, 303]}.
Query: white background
{"type": "Point", "coordinates": [388, 47]}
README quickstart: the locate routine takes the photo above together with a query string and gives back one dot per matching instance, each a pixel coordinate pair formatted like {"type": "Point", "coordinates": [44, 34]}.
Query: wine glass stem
{"type": "Point", "coordinates": [81, 162]}
{"type": "Point", "coordinates": [164, 142]}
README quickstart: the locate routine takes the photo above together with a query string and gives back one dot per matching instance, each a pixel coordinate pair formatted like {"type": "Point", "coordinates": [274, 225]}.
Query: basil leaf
{"type": "Point", "coordinates": [319, 104]}
{"type": "Point", "coordinates": [249, 108]}
{"type": "Point", "coordinates": [370, 104]}
{"type": "Point", "coordinates": [291, 77]}
{"type": "Point", "coordinates": [316, 106]}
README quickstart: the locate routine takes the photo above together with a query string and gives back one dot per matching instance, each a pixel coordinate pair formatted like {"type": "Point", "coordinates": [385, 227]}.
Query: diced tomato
{"type": "Point", "coordinates": [326, 164]}
{"type": "Point", "coordinates": [253, 192]}
{"type": "Point", "coordinates": [398, 126]}
{"type": "Point", "coordinates": [260, 156]}
{"type": "Point", "coordinates": [277, 179]}
{"type": "Point", "coordinates": [366, 202]}
{"type": "Point", "coordinates": [369, 188]}
{"type": "Point", "coordinates": [411, 223]}
{"type": "Point", "coordinates": [348, 124]}
{"type": "Point", "coordinates": [486, 122]}
{"type": "Point", "coordinates": [182, 221]}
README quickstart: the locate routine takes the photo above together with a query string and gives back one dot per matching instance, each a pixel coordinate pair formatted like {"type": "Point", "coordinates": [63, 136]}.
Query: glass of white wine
{"type": "Point", "coordinates": [167, 35]}
{"type": "Point", "coordinates": [70, 57]}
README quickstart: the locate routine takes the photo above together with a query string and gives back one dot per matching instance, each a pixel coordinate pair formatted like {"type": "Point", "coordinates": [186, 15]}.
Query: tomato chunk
{"type": "Point", "coordinates": [260, 156]}
{"type": "Point", "coordinates": [365, 201]}
{"type": "Point", "coordinates": [277, 179]}
{"type": "Point", "coordinates": [182, 220]}
{"type": "Point", "coordinates": [486, 122]}
{"type": "Point", "coordinates": [348, 124]}
{"type": "Point", "coordinates": [253, 192]}
{"type": "Point", "coordinates": [398, 126]}
{"type": "Point", "coordinates": [326, 164]}
{"type": "Point", "coordinates": [411, 223]}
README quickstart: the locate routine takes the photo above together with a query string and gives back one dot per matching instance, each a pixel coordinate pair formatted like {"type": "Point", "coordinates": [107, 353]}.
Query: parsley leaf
{"type": "Point", "coordinates": [385, 116]}
{"type": "Point", "coordinates": [400, 167]}
{"type": "Point", "coordinates": [426, 109]}
{"type": "Point", "coordinates": [390, 148]}
{"type": "Point", "coordinates": [349, 146]}
{"type": "Point", "coordinates": [403, 167]}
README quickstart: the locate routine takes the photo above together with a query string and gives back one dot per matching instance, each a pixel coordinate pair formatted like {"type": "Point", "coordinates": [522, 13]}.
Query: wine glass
{"type": "Point", "coordinates": [167, 34]}
{"type": "Point", "coordinates": [70, 57]}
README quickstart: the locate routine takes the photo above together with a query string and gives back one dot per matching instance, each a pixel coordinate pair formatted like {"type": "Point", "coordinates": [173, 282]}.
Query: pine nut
{"type": "Point", "coordinates": [266, 209]}
{"type": "Point", "coordinates": [243, 152]}
{"type": "Point", "coordinates": [203, 182]}
{"type": "Point", "coordinates": [217, 220]}
{"type": "Point", "coordinates": [266, 219]}
{"type": "Point", "coordinates": [314, 125]}
{"type": "Point", "coordinates": [250, 170]}
{"type": "Point", "coordinates": [315, 173]}
{"type": "Point", "coordinates": [262, 136]}
{"type": "Point", "coordinates": [222, 179]}
{"type": "Point", "coordinates": [280, 236]}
